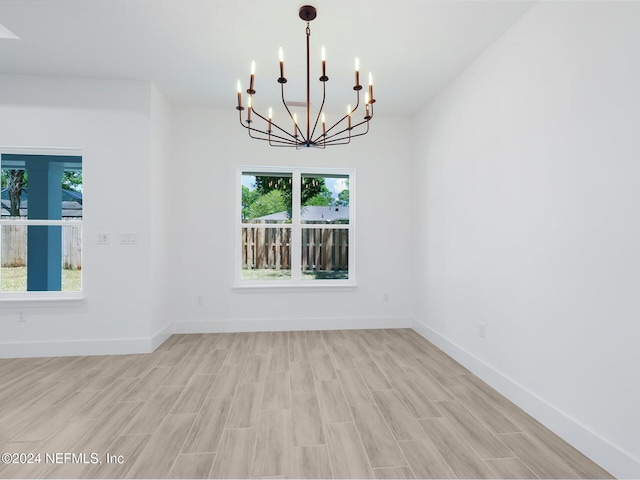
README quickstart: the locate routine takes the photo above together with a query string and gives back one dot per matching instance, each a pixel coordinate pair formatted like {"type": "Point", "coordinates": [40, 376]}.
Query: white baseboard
{"type": "Point", "coordinates": [72, 348]}
{"type": "Point", "coordinates": [281, 324]}
{"type": "Point", "coordinates": [65, 348]}
{"type": "Point", "coordinates": [161, 336]}
{"type": "Point", "coordinates": [610, 457]}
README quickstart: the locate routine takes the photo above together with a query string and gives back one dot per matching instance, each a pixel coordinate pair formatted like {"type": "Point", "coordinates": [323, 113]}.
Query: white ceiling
{"type": "Point", "coordinates": [195, 50]}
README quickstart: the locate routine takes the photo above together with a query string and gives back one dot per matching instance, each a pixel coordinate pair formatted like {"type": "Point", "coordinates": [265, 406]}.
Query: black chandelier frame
{"type": "Point", "coordinates": [298, 139]}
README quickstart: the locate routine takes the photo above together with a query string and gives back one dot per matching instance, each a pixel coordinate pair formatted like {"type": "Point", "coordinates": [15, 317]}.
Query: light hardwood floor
{"type": "Point", "coordinates": [341, 404]}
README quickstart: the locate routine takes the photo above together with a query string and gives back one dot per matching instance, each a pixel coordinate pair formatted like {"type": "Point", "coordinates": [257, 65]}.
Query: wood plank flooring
{"type": "Point", "coordinates": [331, 404]}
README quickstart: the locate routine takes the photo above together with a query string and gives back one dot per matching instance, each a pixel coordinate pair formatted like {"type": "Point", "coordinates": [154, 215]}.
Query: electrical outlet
{"type": "Point", "coordinates": [482, 329]}
{"type": "Point", "coordinates": [385, 297]}
{"type": "Point", "coordinates": [198, 300]}
{"type": "Point", "coordinates": [22, 317]}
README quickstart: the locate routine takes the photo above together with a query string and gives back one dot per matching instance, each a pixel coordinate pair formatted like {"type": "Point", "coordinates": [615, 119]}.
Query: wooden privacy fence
{"type": "Point", "coordinates": [14, 246]}
{"type": "Point", "coordinates": [266, 248]}
{"type": "Point", "coordinates": [323, 249]}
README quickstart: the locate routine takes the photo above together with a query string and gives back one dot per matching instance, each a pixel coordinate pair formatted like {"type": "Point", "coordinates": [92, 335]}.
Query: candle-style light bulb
{"type": "Point", "coordinates": [295, 124]}
{"type": "Point", "coordinates": [323, 56]}
{"type": "Point", "coordinates": [366, 104]}
{"type": "Point", "coordinates": [357, 71]}
{"type": "Point", "coordinates": [270, 113]}
{"type": "Point", "coordinates": [253, 74]}
{"type": "Point", "coordinates": [239, 95]}
{"type": "Point", "coordinates": [349, 115]}
{"type": "Point", "coordinates": [281, 56]}
{"type": "Point", "coordinates": [249, 108]}
{"type": "Point", "coordinates": [324, 125]}
{"type": "Point", "coordinates": [370, 88]}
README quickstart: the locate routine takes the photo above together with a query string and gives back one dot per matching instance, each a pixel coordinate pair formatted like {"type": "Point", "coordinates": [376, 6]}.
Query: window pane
{"type": "Point", "coordinates": [64, 242]}
{"type": "Point", "coordinates": [266, 198]}
{"type": "Point", "coordinates": [324, 199]}
{"type": "Point", "coordinates": [27, 190]}
{"type": "Point", "coordinates": [266, 253]}
{"type": "Point", "coordinates": [325, 254]}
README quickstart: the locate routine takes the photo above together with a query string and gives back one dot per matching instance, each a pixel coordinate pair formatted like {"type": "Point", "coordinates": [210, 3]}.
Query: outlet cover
{"type": "Point", "coordinates": [482, 329]}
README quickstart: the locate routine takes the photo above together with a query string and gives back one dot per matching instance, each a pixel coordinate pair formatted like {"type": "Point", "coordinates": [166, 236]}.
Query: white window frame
{"type": "Point", "coordinates": [296, 226]}
{"type": "Point", "coordinates": [44, 297]}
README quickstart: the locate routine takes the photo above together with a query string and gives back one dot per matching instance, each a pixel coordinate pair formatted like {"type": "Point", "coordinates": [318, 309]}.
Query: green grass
{"type": "Point", "coordinates": [269, 274]}
{"type": "Point", "coordinates": [266, 274]}
{"type": "Point", "coordinates": [14, 279]}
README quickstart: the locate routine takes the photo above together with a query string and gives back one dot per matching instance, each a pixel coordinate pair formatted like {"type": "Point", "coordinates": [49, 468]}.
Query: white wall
{"type": "Point", "coordinates": [109, 122]}
{"type": "Point", "coordinates": [168, 174]}
{"type": "Point", "coordinates": [163, 192]}
{"type": "Point", "coordinates": [208, 145]}
{"type": "Point", "coordinates": [531, 173]}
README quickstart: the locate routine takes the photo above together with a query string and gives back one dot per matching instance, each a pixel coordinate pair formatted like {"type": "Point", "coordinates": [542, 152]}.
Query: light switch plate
{"type": "Point", "coordinates": [128, 238]}
{"type": "Point", "coordinates": [102, 238]}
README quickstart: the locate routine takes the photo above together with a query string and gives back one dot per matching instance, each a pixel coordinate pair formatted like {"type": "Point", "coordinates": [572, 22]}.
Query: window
{"type": "Point", "coordinates": [295, 226]}
{"type": "Point", "coordinates": [41, 225]}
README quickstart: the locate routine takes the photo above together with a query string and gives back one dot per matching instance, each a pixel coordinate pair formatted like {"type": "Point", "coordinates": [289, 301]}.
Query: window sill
{"type": "Point", "coordinates": [41, 299]}
{"type": "Point", "coordinates": [280, 287]}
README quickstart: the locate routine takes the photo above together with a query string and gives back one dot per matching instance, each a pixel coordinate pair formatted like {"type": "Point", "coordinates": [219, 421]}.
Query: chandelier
{"type": "Point", "coordinates": [340, 133]}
